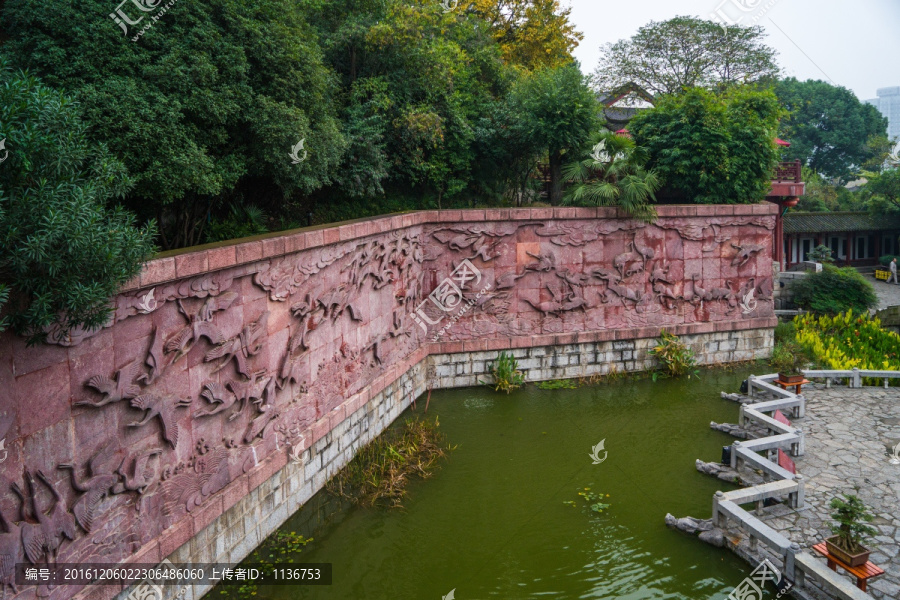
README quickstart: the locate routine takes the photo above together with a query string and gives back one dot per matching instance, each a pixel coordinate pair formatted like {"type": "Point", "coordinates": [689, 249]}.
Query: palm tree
{"type": "Point", "coordinates": [614, 175]}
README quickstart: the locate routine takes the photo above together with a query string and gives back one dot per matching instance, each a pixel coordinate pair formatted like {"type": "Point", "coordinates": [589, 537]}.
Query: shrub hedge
{"type": "Point", "coordinates": [835, 290]}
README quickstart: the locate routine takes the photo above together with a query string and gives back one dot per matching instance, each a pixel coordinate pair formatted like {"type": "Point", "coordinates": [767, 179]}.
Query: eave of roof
{"type": "Point", "coordinates": [820, 222]}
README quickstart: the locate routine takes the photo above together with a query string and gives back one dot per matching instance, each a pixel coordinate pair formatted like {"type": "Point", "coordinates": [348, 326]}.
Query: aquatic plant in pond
{"type": "Point", "coordinates": [380, 471]}
{"type": "Point", "coordinates": [593, 499]}
{"type": "Point", "coordinates": [675, 358]}
{"type": "Point", "coordinates": [506, 373]}
{"type": "Point", "coordinates": [558, 384]}
{"type": "Point", "coordinates": [281, 548]}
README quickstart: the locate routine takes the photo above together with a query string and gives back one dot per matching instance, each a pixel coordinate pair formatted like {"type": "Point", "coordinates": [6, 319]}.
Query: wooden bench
{"type": "Point", "coordinates": [797, 386]}
{"type": "Point", "coordinates": [862, 573]}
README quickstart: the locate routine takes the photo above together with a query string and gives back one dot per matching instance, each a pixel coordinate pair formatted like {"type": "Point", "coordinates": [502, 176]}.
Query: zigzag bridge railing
{"type": "Point", "coordinates": [780, 482]}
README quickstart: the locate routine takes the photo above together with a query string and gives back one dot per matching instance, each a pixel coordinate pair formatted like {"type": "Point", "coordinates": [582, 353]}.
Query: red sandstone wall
{"type": "Point", "coordinates": [220, 361]}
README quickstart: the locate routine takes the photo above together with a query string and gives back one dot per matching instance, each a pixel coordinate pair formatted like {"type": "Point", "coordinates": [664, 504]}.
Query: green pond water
{"type": "Point", "coordinates": [493, 522]}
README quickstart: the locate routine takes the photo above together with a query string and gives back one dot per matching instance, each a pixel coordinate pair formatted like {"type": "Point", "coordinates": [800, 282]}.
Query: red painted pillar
{"type": "Point", "coordinates": [778, 241]}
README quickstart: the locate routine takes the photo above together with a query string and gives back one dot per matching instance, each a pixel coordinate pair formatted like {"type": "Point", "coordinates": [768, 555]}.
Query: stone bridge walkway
{"type": "Point", "coordinates": [849, 437]}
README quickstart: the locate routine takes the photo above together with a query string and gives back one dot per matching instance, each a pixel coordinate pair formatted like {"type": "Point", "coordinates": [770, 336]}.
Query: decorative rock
{"type": "Point", "coordinates": [714, 537]}
{"type": "Point", "coordinates": [731, 429]}
{"type": "Point", "coordinates": [721, 471]}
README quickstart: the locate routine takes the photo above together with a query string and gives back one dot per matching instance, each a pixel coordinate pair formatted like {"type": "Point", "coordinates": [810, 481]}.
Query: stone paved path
{"type": "Point", "coordinates": [888, 293]}
{"type": "Point", "coordinates": [849, 434]}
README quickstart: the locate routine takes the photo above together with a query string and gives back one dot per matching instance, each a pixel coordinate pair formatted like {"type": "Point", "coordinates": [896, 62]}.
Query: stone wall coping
{"type": "Point", "coordinates": [188, 262]}
{"type": "Point", "coordinates": [632, 333]}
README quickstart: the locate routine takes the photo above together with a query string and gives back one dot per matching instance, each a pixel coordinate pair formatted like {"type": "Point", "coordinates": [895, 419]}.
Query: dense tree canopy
{"type": "Point", "coordinates": [531, 33]}
{"type": "Point", "coordinates": [668, 56]}
{"type": "Point", "coordinates": [63, 253]}
{"type": "Point", "coordinates": [387, 95]}
{"type": "Point", "coordinates": [214, 96]}
{"type": "Point", "coordinates": [882, 191]}
{"type": "Point", "coordinates": [712, 147]}
{"type": "Point", "coordinates": [822, 195]}
{"type": "Point", "coordinates": [830, 130]}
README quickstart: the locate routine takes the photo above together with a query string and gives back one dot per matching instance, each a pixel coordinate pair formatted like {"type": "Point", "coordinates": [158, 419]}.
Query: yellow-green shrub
{"type": "Point", "coordinates": [846, 340]}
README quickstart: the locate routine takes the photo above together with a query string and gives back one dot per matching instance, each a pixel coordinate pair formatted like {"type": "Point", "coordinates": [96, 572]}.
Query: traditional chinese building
{"type": "Point", "coordinates": [855, 238]}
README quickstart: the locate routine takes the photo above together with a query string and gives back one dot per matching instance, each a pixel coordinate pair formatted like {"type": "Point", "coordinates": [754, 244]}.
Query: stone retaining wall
{"type": "Point", "coordinates": [541, 363]}
{"type": "Point", "coordinates": [219, 361]}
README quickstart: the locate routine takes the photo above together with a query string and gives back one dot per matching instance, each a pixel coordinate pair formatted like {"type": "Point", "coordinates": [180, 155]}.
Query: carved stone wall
{"type": "Point", "coordinates": [221, 363]}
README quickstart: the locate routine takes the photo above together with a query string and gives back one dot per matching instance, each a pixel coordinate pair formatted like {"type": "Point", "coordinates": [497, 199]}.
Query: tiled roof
{"type": "Point", "coordinates": [819, 222]}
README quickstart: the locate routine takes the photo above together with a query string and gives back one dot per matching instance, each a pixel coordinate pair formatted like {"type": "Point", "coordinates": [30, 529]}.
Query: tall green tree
{"type": "Point", "coordinates": [531, 33]}
{"type": "Point", "coordinates": [63, 250]}
{"type": "Point", "coordinates": [560, 114]}
{"type": "Point", "coordinates": [830, 130]}
{"type": "Point", "coordinates": [665, 57]}
{"type": "Point", "coordinates": [712, 147]}
{"type": "Point", "coordinates": [204, 106]}
{"type": "Point", "coordinates": [882, 191]}
{"type": "Point", "coordinates": [822, 195]}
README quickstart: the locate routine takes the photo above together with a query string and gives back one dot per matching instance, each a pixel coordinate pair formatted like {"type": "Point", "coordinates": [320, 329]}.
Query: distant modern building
{"type": "Point", "coordinates": [888, 103]}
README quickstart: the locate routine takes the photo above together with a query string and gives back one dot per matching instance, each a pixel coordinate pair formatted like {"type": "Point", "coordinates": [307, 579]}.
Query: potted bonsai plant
{"type": "Point", "coordinates": [850, 531]}
{"type": "Point", "coordinates": [788, 358]}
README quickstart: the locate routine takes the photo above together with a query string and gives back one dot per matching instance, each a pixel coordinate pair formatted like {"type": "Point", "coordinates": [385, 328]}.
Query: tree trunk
{"type": "Point", "coordinates": [555, 177]}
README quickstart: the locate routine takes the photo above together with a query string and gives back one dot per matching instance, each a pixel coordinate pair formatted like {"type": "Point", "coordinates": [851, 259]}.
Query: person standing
{"type": "Point", "coordinates": [893, 270]}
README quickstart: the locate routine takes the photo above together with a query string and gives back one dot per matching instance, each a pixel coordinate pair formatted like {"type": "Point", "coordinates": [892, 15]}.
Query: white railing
{"type": "Point", "coordinates": [726, 505]}
{"type": "Point", "coordinates": [854, 377]}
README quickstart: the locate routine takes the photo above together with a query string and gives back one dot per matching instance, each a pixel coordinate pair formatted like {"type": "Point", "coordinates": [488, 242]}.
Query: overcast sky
{"type": "Point", "coordinates": [854, 44]}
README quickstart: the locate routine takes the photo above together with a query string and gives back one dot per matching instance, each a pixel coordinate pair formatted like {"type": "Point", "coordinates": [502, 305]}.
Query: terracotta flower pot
{"type": "Point", "coordinates": [854, 560]}
{"type": "Point", "coordinates": [784, 378]}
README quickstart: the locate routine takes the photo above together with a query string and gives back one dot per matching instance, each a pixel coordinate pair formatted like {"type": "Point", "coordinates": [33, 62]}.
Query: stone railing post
{"type": "Point", "coordinates": [734, 454]}
{"type": "Point", "coordinates": [790, 572]}
{"type": "Point", "coordinates": [717, 518]}
{"type": "Point", "coordinates": [857, 380]}
{"type": "Point", "coordinates": [801, 445]}
{"type": "Point", "coordinates": [798, 497]}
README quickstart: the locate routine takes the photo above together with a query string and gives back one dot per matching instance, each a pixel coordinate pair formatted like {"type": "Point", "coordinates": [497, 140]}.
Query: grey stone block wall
{"type": "Point", "coordinates": [596, 358]}
{"type": "Point", "coordinates": [239, 530]}
{"type": "Point", "coordinates": [784, 293]}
